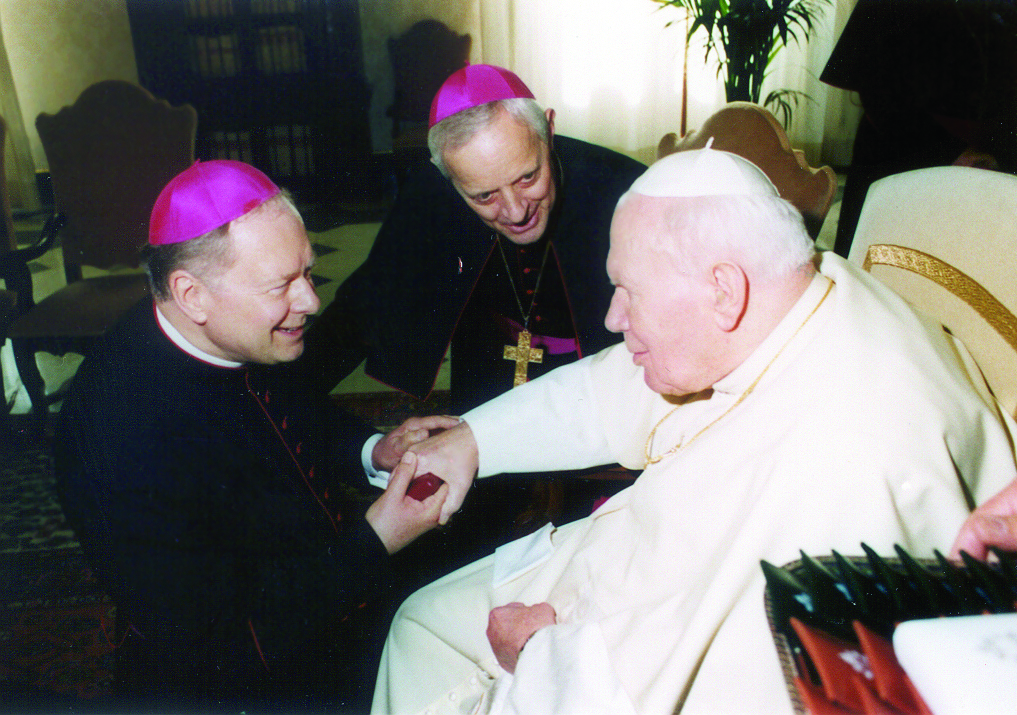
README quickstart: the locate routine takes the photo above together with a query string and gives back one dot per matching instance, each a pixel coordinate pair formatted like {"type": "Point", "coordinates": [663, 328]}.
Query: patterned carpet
{"type": "Point", "coordinates": [55, 654]}
{"type": "Point", "coordinates": [30, 517]}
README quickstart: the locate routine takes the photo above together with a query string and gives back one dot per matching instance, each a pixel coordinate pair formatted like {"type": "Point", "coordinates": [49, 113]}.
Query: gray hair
{"type": "Point", "coordinates": [458, 129]}
{"type": "Point", "coordinates": [765, 233]}
{"type": "Point", "coordinates": [207, 256]}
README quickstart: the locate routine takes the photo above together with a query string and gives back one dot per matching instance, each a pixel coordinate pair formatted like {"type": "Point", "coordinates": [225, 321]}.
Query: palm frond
{"type": "Point", "coordinates": [746, 35]}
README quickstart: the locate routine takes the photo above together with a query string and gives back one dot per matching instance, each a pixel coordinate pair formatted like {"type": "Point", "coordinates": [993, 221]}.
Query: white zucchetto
{"type": "Point", "coordinates": [703, 172]}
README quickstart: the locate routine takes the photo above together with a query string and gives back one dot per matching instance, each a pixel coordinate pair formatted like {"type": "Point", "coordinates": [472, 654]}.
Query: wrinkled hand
{"type": "Point", "coordinates": [451, 455]}
{"type": "Point", "coordinates": [398, 519]}
{"type": "Point", "coordinates": [510, 626]}
{"type": "Point", "coordinates": [994, 523]}
{"type": "Point", "coordinates": [391, 447]}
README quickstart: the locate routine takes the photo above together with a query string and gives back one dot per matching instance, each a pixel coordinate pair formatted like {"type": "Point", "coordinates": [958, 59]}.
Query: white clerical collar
{"type": "Point", "coordinates": [742, 376]}
{"type": "Point", "coordinates": [181, 342]}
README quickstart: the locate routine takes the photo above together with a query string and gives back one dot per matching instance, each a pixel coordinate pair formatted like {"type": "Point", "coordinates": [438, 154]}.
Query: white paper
{"type": "Point", "coordinates": [962, 665]}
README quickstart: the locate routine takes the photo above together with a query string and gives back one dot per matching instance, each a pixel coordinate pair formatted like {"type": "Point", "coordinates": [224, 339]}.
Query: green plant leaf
{"type": "Point", "coordinates": [746, 36]}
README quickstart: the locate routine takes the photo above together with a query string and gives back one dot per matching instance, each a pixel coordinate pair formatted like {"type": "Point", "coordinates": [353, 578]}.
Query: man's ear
{"type": "Point", "coordinates": [190, 295]}
{"type": "Point", "coordinates": [549, 113]}
{"type": "Point", "coordinates": [730, 295]}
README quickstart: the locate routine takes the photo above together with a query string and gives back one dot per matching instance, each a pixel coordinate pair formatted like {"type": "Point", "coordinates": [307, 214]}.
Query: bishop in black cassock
{"type": "Point", "coordinates": [448, 269]}
{"type": "Point", "coordinates": [224, 507]}
{"type": "Point", "coordinates": [435, 277]}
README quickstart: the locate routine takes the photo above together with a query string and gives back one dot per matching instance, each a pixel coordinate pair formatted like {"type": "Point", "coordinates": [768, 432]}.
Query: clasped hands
{"type": "Point", "coordinates": [453, 456]}
{"type": "Point", "coordinates": [443, 446]}
{"type": "Point", "coordinates": [409, 451]}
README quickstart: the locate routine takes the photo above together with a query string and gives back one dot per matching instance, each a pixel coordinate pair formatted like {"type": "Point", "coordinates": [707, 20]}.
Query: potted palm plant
{"type": "Point", "coordinates": [745, 36]}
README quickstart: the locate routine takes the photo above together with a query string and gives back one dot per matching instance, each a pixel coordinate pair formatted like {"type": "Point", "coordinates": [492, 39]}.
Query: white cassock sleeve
{"type": "Point", "coordinates": [577, 416]}
{"type": "Point", "coordinates": [580, 415]}
{"type": "Point", "coordinates": [549, 424]}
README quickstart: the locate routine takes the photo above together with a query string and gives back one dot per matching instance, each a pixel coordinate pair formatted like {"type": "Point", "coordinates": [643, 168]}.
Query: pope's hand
{"type": "Point", "coordinates": [391, 447]}
{"type": "Point", "coordinates": [993, 524]}
{"type": "Point", "coordinates": [398, 519]}
{"type": "Point", "coordinates": [509, 627]}
{"type": "Point", "coordinates": [452, 456]}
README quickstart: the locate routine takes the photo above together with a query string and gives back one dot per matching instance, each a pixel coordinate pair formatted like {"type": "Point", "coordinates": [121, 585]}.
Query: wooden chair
{"type": "Point", "coordinates": [110, 153]}
{"type": "Point", "coordinates": [943, 238]}
{"type": "Point", "coordinates": [15, 273]}
{"type": "Point", "coordinates": [751, 131]}
{"type": "Point", "coordinates": [422, 59]}
{"type": "Point", "coordinates": [14, 277]}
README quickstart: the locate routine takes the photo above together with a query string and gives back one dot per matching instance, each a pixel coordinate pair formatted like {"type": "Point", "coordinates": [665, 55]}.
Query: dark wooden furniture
{"type": "Point", "coordinates": [276, 83]}
{"type": "Point", "coordinates": [109, 154]}
{"type": "Point", "coordinates": [422, 59]}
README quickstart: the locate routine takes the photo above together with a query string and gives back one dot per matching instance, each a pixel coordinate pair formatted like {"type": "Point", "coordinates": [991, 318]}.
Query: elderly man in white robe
{"type": "Point", "coordinates": [777, 400]}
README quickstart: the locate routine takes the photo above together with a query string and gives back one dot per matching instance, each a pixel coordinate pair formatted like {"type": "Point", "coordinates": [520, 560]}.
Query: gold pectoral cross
{"type": "Point", "coordinates": [523, 354]}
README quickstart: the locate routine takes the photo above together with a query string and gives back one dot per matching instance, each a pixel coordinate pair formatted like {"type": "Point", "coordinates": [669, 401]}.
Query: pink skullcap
{"type": "Point", "coordinates": [205, 196]}
{"type": "Point", "coordinates": [474, 85]}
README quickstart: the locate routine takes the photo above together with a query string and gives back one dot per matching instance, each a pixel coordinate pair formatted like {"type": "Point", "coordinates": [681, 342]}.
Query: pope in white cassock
{"type": "Point", "coordinates": [777, 400]}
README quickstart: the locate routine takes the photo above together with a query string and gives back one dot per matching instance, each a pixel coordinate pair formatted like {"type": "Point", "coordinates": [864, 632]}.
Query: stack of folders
{"type": "Point", "coordinates": [896, 635]}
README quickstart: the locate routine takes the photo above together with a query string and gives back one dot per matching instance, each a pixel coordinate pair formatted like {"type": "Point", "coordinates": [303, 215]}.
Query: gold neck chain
{"type": "Point", "coordinates": [508, 270]}
{"type": "Point", "coordinates": [649, 440]}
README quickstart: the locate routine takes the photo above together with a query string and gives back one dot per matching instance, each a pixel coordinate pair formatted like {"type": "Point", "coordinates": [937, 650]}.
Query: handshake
{"type": "Point", "coordinates": [415, 453]}
{"type": "Point", "coordinates": [426, 484]}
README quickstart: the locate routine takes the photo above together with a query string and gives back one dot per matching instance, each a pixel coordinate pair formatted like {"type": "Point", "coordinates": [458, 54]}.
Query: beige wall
{"type": "Point", "coordinates": [57, 48]}
{"type": "Point", "coordinates": [380, 19]}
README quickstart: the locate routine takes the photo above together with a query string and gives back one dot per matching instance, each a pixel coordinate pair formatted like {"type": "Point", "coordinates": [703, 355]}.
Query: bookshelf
{"type": "Point", "coordinates": [276, 83]}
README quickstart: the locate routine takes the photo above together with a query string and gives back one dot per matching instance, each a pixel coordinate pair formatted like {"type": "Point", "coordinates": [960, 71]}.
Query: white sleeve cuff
{"type": "Point", "coordinates": [375, 477]}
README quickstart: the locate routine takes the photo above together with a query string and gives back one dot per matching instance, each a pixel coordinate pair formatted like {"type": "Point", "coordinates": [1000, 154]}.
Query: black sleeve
{"type": "Point", "coordinates": [351, 327]}
{"type": "Point", "coordinates": [336, 342]}
{"type": "Point", "coordinates": [399, 307]}
{"type": "Point", "coordinates": [199, 540]}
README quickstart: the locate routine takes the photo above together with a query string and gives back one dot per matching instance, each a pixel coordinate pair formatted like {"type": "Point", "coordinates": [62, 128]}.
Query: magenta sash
{"type": "Point", "coordinates": [554, 346]}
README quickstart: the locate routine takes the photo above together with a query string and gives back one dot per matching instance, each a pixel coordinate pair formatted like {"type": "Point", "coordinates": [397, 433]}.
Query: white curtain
{"type": "Point", "coordinates": [17, 156]}
{"type": "Point", "coordinates": [613, 72]}
{"type": "Point", "coordinates": [20, 174]}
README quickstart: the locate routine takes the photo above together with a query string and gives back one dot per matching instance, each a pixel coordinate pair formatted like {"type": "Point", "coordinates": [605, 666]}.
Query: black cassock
{"type": "Point", "coordinates": [222, 510]}
{"type": "Point", "coordinates": [420, 288]}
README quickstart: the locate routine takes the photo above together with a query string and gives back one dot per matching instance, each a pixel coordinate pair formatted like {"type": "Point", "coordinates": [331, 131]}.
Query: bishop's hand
{"type": "Point", "coordinates": [452, 456]}
{"type": "Point", "coordinates": [390, 448]}
{"type": "Point", "coordinates": [398, 518]}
